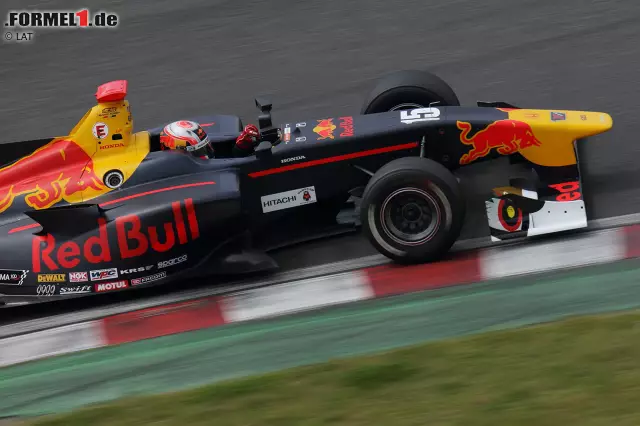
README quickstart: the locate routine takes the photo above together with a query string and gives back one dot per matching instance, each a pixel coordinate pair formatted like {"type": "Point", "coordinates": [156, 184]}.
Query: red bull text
{"type": "Point", "coordinates": [49, 175]}
{"type": "Point", "coordinates": [346, 125]}
{"type": "Point", "coordinates": [133, 240]}
{"type": "Point", "coordinates": [507, 136]}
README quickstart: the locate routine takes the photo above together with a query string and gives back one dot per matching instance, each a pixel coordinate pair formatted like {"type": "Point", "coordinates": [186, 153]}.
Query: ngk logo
{"type": "Point", "coordinates": [116, 285]}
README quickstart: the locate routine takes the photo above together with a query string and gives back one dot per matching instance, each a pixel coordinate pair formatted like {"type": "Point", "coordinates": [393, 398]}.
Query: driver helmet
{"type": "Point", "coordinates": [188, 136]}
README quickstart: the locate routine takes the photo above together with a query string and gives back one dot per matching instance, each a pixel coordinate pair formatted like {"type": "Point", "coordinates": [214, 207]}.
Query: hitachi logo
{"type": "Point", "coordinates": [283, 200]}
{"type": "Point", "coordinates": [290, 159]}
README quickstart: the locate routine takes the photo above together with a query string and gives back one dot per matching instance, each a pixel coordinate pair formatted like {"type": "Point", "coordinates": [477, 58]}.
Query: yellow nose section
{"type": "Point", "coordinates": [557, 130]}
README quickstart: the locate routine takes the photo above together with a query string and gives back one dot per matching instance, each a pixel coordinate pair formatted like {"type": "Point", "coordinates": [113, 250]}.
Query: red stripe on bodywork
{"type": "Point", "coordinates": [24, 228]}
{"type": "Point", "coordinates": [333, 159]}
{"type": "Point", "coordinates": [129, 197]}
{"type": "Point", "coordinates": [155, 191]}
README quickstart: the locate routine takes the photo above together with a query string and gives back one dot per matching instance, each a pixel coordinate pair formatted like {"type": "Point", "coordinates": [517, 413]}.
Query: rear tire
{"type": "Point", "coordinates": [412, 210]}
{"type": "Point", "coordinates": [409, 90]}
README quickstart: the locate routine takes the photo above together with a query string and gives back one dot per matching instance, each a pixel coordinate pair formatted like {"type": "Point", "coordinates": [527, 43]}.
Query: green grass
{"type": "Point", "coordinates": [583, 371]}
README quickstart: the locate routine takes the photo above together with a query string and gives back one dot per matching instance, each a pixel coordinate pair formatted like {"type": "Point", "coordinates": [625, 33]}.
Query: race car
{"type": "Point", "coordinates": [105, 208]}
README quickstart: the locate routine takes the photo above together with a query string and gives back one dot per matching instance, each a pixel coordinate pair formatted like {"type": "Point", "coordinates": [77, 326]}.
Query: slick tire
{"type": "Point", "coordinates": [409, 90]}
{"type": "Point", "coordinates": [412, 210]}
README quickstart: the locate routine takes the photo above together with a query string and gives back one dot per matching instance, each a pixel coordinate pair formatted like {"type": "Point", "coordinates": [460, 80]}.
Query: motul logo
{"type": "Point", "coordinates": [116, 285]}
{"type": "Point", "coordinates": [133, 240]}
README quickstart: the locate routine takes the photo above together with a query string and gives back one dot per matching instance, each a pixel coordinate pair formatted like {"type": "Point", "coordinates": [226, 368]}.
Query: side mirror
{"type": "Point", "coordinates": [263, 150]}
{"type": "Point", "coordinates": [263, 104]}
{"type": "Point", "coordinates": [264, 120]}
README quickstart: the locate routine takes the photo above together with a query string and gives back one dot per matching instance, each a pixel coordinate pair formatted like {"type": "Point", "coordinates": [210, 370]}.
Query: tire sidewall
{"type": "Point", "coordinates": [447, 199]}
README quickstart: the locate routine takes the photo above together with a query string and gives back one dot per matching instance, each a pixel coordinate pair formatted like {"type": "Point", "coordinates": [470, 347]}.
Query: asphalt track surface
{"type": "Point", "coordinates": [318, 59]}
{"type": "Point", "coordinates": [191, 359]}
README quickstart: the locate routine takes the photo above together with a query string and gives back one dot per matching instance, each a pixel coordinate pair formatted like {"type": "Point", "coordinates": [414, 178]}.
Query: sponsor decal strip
{"type": "Point", "coordinates": [464, 268]}
{"type": "Point", "coordinates": [13, 276]}
{"type": "Point", "coordinates": [288, 199]}
{"type": "Point", "coordinates": [335, 159]}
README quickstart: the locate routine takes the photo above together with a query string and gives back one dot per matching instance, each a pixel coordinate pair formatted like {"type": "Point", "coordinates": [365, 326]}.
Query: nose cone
{"type": "Point", "coordinates": [573, 124]}
{"type": "Point", "coordinates": [606, 121]}
{"type": "Point", "coordinates": [584, 124]}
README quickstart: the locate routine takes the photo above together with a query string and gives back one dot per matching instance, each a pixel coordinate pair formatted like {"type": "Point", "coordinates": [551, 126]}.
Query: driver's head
{"type": "Point", "coordinates": [188, 136]}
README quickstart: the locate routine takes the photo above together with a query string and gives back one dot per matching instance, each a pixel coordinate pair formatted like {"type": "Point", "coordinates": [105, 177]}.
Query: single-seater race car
{"type": "Point", "coordinates": [105, 209]}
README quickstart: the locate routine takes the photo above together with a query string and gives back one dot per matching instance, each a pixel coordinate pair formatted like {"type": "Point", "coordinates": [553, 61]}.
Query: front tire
{"type": "Point", "coordinates": [405, 90]}
{"type": "Point", "coordinates": [412, 210]}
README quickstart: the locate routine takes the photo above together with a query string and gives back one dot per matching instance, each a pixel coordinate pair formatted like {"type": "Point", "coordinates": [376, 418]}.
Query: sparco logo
{"type": "Point", "coordinates": [290, 159]}
{"type": "Point", "coordinates": [172, 262]}
{"type": "Point", "coordinates": [131, 240]}
{"type": "Point", "coordinates": [116, 285]}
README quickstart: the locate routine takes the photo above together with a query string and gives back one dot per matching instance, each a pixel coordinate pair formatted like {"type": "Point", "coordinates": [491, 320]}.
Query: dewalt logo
{"type": "Point", "coordinates": [51, 278]}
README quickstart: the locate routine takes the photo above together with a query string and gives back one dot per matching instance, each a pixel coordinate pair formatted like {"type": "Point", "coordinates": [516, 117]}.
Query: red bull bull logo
{"type": "Point", "coordinates": [506, 136]}
{"type": "Point", "coordinates": [325, 129]}
{"type": "Point", "coordinates": [49, 175]}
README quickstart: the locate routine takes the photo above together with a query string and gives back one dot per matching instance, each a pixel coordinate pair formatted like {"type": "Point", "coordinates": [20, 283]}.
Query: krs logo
{"type": "Point", "coordinates": [419, 114]}
{"type": "Point", "coordinates": [171, 262]}
{"type": "Point", "coordinates": [133, 240]}
{"type": "Point", "coordinates": [103, 274]}
{"type": "Point", "coordinates": [135, 270]}
{"type": "Point", "coordinates": [116, 285]}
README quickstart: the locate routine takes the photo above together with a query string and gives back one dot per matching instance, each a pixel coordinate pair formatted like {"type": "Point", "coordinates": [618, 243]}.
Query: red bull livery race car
{"type": "Point", "coordinates": [105, 209]}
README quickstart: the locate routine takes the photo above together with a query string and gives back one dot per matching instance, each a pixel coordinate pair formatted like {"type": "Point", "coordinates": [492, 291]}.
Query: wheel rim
{"type": "Point", "coordinates": [410, 216]}
{"type": "Point", "coordinates": [406, 106]}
